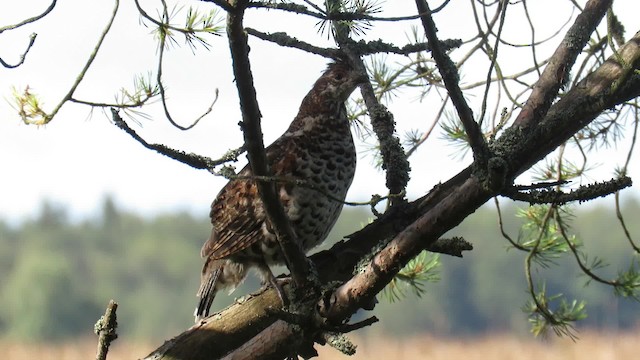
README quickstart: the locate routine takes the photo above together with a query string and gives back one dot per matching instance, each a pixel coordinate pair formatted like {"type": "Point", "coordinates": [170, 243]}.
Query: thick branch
{"type": "Point", "coordinates": [556, 73]}
{"type": "Point", "coordinates": [583, 103]}
{"type": "Point", "coordinates": [295, 258]}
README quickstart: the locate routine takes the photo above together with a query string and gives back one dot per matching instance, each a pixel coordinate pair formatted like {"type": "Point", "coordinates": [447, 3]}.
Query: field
{"type": "Point", "coordinates": [593, 346]}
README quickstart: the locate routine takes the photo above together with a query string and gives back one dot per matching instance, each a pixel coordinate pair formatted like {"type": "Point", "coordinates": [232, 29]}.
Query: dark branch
{"type": "Point", "coordinates": [191, 159]}
{"type": "Point", "coordinates": [585, 101]}
{"type": "Point", "coordinates": [379, 46]}
{"type": "Point", "coordinates": [361, 47]}
{"type": "Point", "coordinates": [321, 14]}
{"type": "Point", "coordinates": [32, 39]}
{"type": "Point", "coordinates": [453, 201]}
{"type": "Point", "coordinates": [450, 77]}
{"type": "Point", "coordinates": [347, 328]}
{"type": "Point", "coordinates": [422, 222]}
{"type": "Point", "coordinates": [450, 246]}
{"type": "Point", "coordinates": [542, 185]}
{"type": "Point", "coordinates": [296, 261]}
{"type": "Point", "coordinates": [283, 39]}
{"type": "Point", "coordinates": [224, 4]}
{"type": "Point", "coordinates": [583, 193]}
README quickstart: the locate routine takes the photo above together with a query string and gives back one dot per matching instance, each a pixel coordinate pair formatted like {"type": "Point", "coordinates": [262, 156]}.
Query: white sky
{"type": "Point", "coordinates": [78, 158]}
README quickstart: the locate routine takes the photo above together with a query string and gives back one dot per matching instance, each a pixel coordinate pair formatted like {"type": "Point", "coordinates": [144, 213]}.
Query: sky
{"type": "Point", "coordinates": [80, 157]}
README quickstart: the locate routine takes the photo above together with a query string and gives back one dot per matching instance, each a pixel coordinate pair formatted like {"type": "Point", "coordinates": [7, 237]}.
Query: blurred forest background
{"type": "Point", "coordinates": [57, 275]}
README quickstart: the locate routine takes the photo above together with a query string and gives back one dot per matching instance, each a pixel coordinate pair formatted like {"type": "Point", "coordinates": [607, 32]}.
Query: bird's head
{"type": "Point", "coordinates": [338, 82]}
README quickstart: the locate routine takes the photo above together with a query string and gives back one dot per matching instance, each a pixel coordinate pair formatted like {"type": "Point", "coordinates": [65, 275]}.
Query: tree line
{"type": "Point", "coordinates": [57, 275]}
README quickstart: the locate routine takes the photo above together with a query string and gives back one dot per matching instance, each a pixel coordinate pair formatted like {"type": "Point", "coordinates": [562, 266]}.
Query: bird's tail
{"type": "Point", "coordinates": [217, 274]}
{"type": "Point", "coordinates": [210, 274]}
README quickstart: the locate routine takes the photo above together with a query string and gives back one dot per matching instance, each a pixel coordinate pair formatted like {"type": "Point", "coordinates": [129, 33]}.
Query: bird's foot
{"type": "Point", "coordinates": [278, 285]}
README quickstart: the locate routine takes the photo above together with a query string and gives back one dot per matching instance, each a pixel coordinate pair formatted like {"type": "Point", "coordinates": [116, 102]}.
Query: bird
{"type": "Point", "coordinates": [318, 149]}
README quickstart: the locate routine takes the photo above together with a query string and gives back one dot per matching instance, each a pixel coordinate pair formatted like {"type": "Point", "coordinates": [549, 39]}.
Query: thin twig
{"type": "Point", "coordinates": [29, 20]}
{"type": "Point", "coordinates": [493, 57]}
{"type": "Point", "coordinates": [162, 29]}
{"type": "Point", "coordinates": [191, 159]}
{"type": "Point", "coordinates": [23, 56]}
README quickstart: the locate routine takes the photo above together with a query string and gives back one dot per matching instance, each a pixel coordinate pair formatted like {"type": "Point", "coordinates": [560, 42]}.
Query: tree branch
{"type": "Point", "coordinates": [583, 193]}
{"type": "Point", "coordinates": [23, 57]}
{"type": "Point", "coordinates": [363, 47]}
{"type": "Point", "coordinates": [321, 14]}
{"type": "Point", "coordinates": [191, 159]}
{"type": "Point", "coordinates": [296, 261]}
{"type": "Point", "coordinates": [556, 73]}
{"type": "Point", "coordinates": [105, 328]}
{"type": "Point", "coordinates": [224, 4]}
{"type": "Point", "coordinates": [283, 39]}
{"type": "Point", "coordinates": [450, 77]}
{"type": "Point", "coordinates": [31, 19]}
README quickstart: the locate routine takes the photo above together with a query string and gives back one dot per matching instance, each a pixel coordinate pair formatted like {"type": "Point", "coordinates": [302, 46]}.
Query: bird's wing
{"type": "Point", "coordinates": [237, 213]}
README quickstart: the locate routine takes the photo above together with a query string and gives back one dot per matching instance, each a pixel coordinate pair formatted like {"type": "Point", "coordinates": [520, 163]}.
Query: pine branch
{"type": "Point", "coordinates": [581, 194]}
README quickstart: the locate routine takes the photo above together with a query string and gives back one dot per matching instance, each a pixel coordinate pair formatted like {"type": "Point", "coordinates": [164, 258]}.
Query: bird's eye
{"type": "Point", "coordinates": [339, 76]}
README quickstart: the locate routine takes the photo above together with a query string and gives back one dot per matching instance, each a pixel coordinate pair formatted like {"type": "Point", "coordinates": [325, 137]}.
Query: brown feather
{"type": "Point", "coordinates": [317, 148]}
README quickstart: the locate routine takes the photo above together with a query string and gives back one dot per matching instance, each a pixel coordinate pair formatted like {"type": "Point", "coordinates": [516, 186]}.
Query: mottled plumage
{"type": "Point", "coordinates": [318, 148]}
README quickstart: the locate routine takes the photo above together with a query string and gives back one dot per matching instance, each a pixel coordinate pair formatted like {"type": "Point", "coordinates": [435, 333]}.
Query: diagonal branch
{"type": "Point", "coordinates": [194, 160]}
{"type": "Point", "coordinates": [556, 73]}
{"type": "Point", "coordinates": [450, 77]}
